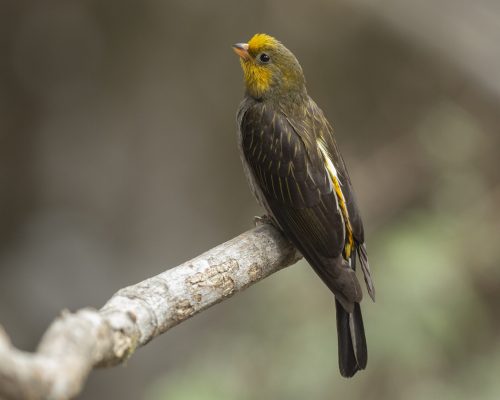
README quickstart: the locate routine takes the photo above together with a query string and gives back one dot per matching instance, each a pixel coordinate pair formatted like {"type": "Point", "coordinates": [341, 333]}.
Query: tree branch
{"type": "Point", "coordinates": [77, 342]}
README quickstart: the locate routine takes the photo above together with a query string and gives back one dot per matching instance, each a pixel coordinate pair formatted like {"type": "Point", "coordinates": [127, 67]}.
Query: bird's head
{"type": "Point", "coordinates": [269, 68]}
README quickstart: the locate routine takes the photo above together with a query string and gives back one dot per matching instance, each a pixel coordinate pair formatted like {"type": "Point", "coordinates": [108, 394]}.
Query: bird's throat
{"type": "Point", "coordinates": [257, 78]}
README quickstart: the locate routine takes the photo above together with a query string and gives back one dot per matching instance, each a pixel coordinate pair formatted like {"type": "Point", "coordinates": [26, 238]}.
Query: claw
{"type": "Point", "coordinates": [262, 220]}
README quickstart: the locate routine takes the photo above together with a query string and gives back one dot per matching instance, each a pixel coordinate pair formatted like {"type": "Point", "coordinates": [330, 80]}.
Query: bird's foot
{"type": "Point", "coordinates": [262, 220]}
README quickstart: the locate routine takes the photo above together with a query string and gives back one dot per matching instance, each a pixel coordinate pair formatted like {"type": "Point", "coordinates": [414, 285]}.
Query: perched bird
{"type": "Point", "coordinates": [297, 174]}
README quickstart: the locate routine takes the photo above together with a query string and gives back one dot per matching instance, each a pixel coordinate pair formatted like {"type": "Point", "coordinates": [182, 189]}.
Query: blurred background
{"type": "Point", "coordinates": [118, 160]}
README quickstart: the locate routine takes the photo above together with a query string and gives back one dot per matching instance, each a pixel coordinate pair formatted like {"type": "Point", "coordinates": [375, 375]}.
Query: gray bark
{"type": "Point", "coordinates": [77, 342]}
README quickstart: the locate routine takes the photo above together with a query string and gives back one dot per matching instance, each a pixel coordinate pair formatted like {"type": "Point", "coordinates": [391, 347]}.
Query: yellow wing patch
{"type": "Point", "coordinates": [340, 196]}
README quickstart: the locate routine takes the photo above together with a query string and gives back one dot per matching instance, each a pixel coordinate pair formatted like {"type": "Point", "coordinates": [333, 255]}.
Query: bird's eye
{"type": "Point", "coordinates": [264, 58]}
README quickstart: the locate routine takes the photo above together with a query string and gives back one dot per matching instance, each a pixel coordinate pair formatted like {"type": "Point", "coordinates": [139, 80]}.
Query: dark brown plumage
{"type": "Point", "coordinates": [297, 173]}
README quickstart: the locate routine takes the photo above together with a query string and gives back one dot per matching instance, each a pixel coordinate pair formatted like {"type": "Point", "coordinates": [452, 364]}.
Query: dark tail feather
{"type": "Point", "coordinates": [353, 354]}
{"type": "Point", "coordinates": [365, 267]}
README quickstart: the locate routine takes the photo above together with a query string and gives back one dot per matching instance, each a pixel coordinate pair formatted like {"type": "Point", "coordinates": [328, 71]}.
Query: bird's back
{"type": "Point", "coordinates": [297, 190]}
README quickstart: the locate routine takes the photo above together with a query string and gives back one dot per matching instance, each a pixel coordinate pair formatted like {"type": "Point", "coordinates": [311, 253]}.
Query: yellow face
{"type": "Point", "coordinates": [255, 60]}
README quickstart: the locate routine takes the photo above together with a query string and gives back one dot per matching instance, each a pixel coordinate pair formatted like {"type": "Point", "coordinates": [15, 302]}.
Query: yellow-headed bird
{"type": "Point", "coordinates": [297, 174]}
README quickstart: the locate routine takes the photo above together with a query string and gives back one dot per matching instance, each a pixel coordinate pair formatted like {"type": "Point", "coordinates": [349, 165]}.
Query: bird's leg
{"type": "Point", "coordinates": [262, 220]}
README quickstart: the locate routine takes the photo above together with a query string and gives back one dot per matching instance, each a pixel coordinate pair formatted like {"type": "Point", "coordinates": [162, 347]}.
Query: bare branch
{"type": "Point", "coordinates": [77, 342]}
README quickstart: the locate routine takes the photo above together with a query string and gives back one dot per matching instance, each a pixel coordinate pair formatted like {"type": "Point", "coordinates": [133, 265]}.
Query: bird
{"type": "Point", "coordinates": [297, 174]}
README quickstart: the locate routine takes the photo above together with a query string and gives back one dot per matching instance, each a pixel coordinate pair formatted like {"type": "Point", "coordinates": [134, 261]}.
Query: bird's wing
{"type": "Point", "coordinates": [324, 132]}
{"type": "Point", "coordinates": [299, 194]}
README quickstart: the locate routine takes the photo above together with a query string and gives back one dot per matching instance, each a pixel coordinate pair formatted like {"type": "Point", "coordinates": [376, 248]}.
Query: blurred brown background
{"type": "Point", "coordinates": [118, 159]}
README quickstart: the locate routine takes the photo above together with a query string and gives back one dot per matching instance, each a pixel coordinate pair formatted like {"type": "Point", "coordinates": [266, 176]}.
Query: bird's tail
{"type": "Point", "coordinates": [353, 353]}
